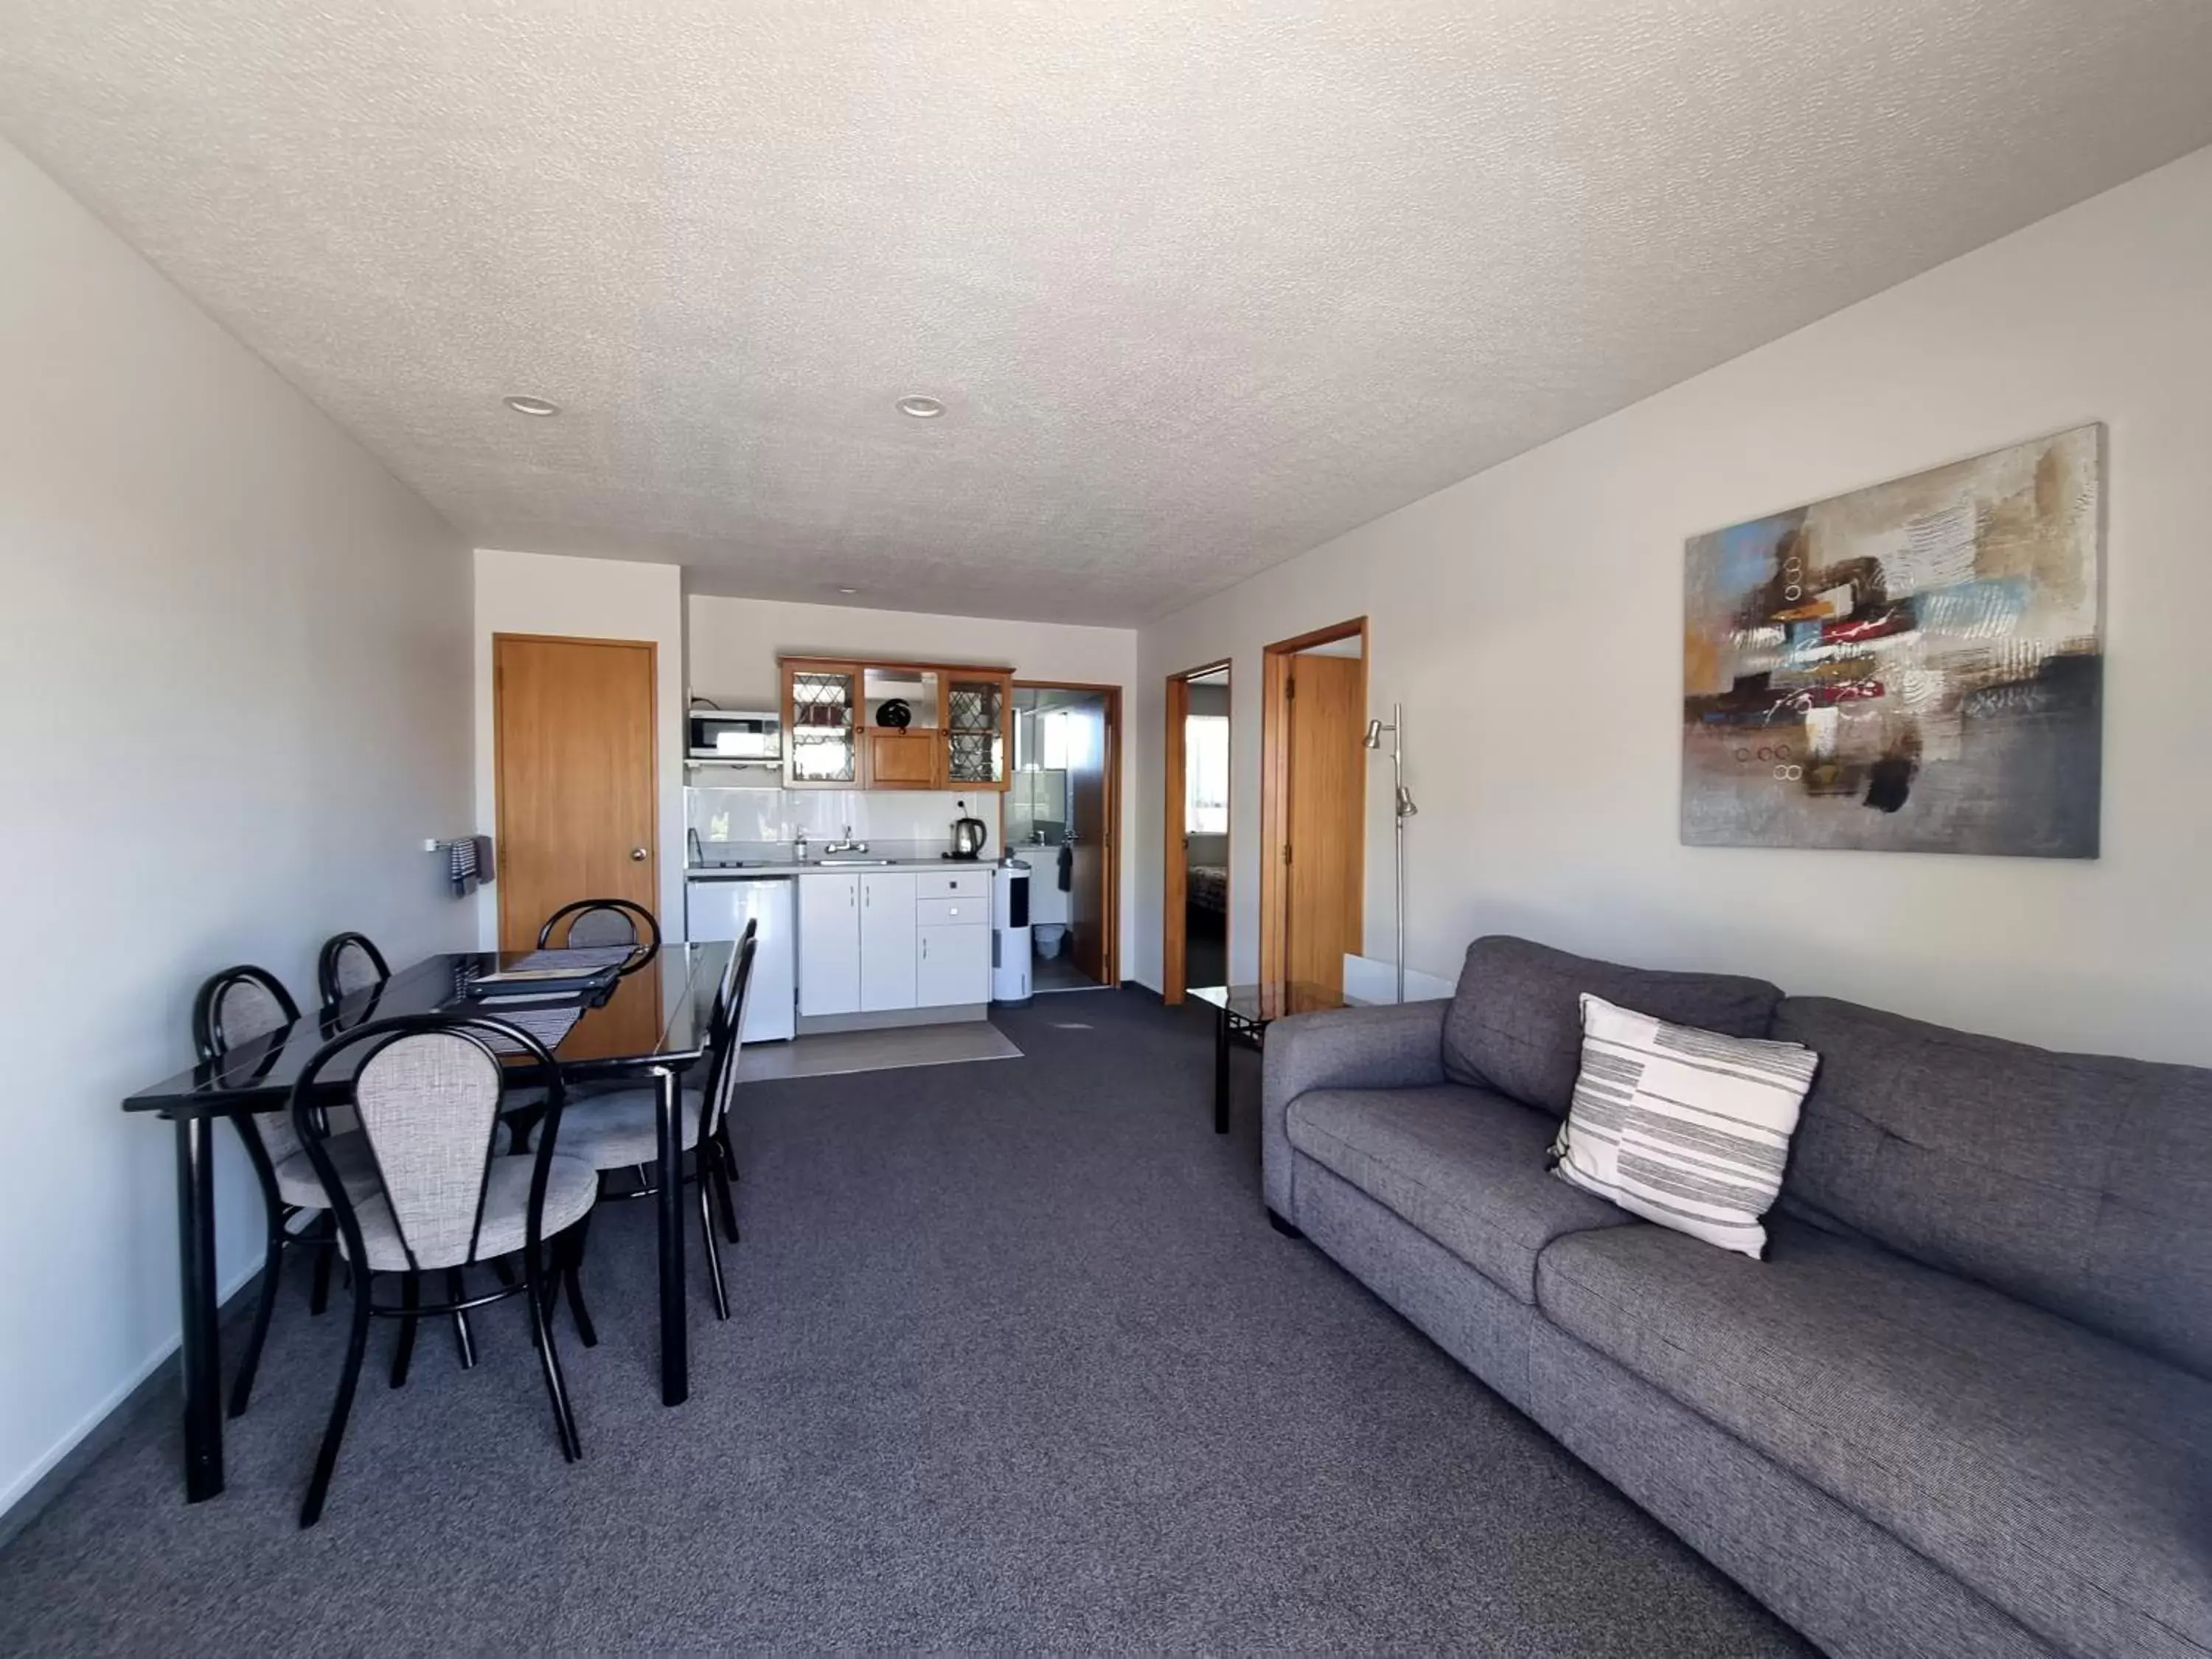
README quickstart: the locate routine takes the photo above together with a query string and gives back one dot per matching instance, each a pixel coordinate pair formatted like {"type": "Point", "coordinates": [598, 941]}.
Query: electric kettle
{"type": "Point", "coordinates": [969, 835]}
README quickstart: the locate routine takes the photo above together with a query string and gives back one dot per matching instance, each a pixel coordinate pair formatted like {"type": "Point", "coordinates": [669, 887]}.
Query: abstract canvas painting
{"type": "Point", "coordinates": [1916, 666]}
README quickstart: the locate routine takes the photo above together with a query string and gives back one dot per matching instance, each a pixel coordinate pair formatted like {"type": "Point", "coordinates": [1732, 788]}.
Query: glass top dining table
{"type": "Point", "coordinates": [651, 1026]}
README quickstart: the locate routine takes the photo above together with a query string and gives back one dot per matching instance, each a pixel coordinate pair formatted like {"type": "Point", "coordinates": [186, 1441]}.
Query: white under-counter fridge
{"type": "Point", "coordinates": [718, 907]}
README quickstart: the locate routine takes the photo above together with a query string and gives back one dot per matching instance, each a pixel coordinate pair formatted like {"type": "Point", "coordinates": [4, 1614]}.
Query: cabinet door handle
{"type": "Point", "coordinates": [925, 947]}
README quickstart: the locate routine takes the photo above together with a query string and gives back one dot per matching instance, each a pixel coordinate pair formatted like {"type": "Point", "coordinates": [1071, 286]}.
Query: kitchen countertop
{"type": "Point", "coordinates": [769, 868]}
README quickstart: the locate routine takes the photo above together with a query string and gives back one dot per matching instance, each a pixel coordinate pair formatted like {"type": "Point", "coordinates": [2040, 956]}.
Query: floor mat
{"type": "Point", "coordinates": [842, 1052]}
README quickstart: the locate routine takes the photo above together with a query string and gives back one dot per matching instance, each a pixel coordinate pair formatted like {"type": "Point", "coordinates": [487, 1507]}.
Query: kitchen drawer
{"type": "Point", "coordinates": [952, 913]}
{"type": "Point", "coordinates": [974, 884]}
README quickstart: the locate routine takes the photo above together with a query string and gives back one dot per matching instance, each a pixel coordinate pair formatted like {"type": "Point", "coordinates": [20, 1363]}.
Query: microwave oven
{"type": "Point", "coordinates": [754, 737]}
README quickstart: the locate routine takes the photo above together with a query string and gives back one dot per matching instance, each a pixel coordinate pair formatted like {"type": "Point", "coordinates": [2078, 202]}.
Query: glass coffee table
{"type": "Point", "coordinates": [1251, 1009]}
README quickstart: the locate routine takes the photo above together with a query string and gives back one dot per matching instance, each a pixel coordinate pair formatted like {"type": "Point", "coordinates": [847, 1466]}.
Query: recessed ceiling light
{"type": "Point", "coordinates": [533, 406]}
{"type": "Point", "coordinates": [848, 590]}
{"type": "Point", "coordinates": [921, 408]}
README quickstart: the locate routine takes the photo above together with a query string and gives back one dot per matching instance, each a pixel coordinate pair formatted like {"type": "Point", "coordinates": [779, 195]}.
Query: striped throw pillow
{"type": "Point", "coordinates": [1682, 1127]}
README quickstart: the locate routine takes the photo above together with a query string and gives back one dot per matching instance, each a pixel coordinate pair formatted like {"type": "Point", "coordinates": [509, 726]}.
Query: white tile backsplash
{"type": "Point", "coordinates": [891, 815]}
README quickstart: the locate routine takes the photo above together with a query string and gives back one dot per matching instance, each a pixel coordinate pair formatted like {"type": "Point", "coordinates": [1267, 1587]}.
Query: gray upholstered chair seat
{"type": "Point", "coordinates": [297, 1184]}
{"type": "Point", "coordinates": [571, 1187]}
{"type": "Point", "coordinates": [2061, 1474]}
{"type": "Point", "coordinates": [1464, 1165]}
{"type": "Point", "coordinates": [615, 1130]}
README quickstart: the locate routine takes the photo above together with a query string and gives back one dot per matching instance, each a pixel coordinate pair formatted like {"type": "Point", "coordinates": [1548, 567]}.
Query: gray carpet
{"type": "Point", "coordinates": [1016, 1362]}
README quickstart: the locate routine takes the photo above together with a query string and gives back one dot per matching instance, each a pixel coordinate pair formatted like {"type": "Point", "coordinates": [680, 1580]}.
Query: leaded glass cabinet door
{"type": "Point", "coordinates": [822, 740]}
{"type": "Point", "coordinates": [976, 710]}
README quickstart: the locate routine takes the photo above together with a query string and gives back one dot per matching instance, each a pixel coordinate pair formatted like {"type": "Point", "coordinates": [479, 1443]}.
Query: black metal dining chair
{"type": "Point", "coordinates": [348, 963]}
{"type": "Point", "coordinates": [619, 1130]}
{"type": "Point", "coordinates": [428, 1093]}
{"type": "Point", "coordinates": [588, 923]}
{"type": "Point", "coordinates": [235, 1008]}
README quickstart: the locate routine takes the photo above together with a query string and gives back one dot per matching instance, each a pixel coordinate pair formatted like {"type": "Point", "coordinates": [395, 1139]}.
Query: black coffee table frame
{"type": "Point", "coordinates": [1249, 1010]}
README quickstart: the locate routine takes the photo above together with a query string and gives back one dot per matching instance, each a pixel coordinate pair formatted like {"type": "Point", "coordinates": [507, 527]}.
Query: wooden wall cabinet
{"type": "Point", "coordinates": [901, 760]}
{"type": "Point", "coordinates": [979, 721]}
{"type": "Point", "coordinates": [822, 730]}
{"type": "Point", "coordinates": [959, 732]}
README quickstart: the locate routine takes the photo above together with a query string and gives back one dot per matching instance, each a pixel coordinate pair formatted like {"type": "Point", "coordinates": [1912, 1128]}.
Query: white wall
{"type": "Point", "coordinates": [734, 645]}
{"type": "Point", "coordinates": [893, 819]}
{"type": "Point", "coordinates": [597, 599]}
{"type": "Point", "coordinates": [1529, 618]}
{"type": "Point", "coordinates": [233, 655]}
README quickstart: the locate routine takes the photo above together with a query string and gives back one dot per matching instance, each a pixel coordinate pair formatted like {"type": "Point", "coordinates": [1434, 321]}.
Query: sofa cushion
{"type": "Point", "coordinates": [2079, 1182]}
{"type": "Point", "coordinates": [1464, 1166]}
{"type": "Point", "coordinates": [2062, 1475]}
{"type": "Point", "coordinates": [1515, 1024]}
{"type": "Point", "coordinates": [1683, 1128]}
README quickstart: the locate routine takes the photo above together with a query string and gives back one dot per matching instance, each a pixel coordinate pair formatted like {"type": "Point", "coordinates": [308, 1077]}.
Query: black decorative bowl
{"type": "Point", "coordinates": [895, 713]}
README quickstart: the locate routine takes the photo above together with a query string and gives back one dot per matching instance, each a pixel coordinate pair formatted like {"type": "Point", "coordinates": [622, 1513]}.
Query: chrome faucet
{"type": "Point", "coordinates": [848, 845]}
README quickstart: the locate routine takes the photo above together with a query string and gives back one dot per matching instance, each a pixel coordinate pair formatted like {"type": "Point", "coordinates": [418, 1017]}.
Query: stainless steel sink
{"type": "Point", "coordinates": [843, 859]}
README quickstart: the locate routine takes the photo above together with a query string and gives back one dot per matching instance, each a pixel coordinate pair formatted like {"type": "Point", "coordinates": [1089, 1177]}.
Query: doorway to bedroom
{"type": "Point", "coordinates": [1195, 927]}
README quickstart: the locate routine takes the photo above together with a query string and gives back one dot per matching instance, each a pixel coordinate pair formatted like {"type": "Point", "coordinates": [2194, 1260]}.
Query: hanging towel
{"type": "Point", "coordinates": [461, 865]}
{"type": "Point", "coordinates": [487, 868]}
{"type": "Point", "coordinates": [1067, 868]}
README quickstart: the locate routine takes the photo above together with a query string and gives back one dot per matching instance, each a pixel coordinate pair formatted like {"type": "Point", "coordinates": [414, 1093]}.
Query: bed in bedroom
{"type": "Point", "coordinates": [1207, 889]}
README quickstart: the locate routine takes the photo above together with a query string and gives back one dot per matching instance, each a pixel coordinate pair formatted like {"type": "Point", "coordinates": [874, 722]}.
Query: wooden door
{"type": "Point", "coordinates": [1325, 818]}
{"type": "Point", "coordinates": [1090, 831]}
{"type": "Point", "coordinates": [578, 807]}
{"type": "Point", "coordinates": [1174, 882]}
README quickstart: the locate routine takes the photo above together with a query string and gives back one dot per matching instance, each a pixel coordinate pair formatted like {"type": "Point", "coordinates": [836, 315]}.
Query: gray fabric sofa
{"type": "Point", "coordinates": [1961, 1409]}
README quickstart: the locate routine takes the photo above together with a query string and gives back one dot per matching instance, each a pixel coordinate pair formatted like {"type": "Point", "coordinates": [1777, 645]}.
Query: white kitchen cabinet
{"type": "Point", "coordinates": [952, 965]}
{"type": "Point", "coordinates": [971, 881]}
{"type": "Point", "coordinates": [830, 942]}
{"type": "Point", "coordinates": [888, 956]}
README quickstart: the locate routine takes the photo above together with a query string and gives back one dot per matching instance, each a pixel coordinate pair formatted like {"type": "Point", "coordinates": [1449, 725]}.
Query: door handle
{"type": "Point", "coordinates": [638, 855]}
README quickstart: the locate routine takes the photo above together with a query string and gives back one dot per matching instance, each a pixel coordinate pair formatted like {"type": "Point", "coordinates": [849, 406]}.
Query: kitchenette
{"type": "Point", "coordinates": [861, 826]}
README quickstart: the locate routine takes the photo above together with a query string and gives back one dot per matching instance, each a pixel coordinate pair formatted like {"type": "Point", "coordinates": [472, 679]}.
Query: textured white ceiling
{"type": "Point", "coordinates": [1203, 282]}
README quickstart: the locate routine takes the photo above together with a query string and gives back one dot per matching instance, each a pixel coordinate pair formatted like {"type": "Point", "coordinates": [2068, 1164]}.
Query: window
{"type": "Point", "coordinates": [1206, 775]}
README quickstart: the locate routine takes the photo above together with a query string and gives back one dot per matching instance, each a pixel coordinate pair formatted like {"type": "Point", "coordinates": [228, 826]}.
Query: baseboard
{"type": "Point", "coordinates": [161, 1377]}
